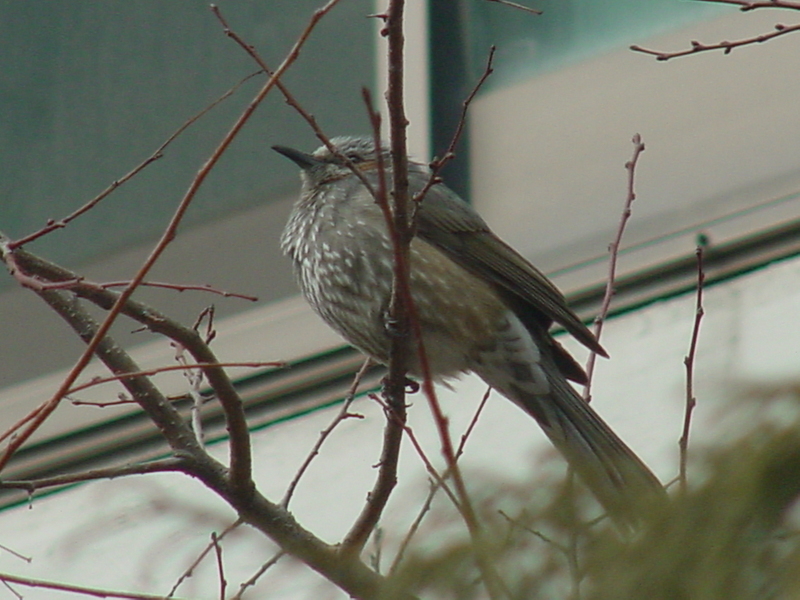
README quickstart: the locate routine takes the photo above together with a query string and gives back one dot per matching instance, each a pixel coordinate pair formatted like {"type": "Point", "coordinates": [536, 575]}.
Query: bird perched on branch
{"type": "Point", "coordinates": [481, 306]}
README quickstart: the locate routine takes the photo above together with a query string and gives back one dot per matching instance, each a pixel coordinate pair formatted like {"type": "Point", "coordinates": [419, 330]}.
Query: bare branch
{"type": "Point", "coordinates": [223, 584]}
{"type": "Point", "coordinates": [688, 362]}
{"type": "Point", "coordinates": [16, 554]}
{"type": "Point", "coordinates": [263, 569]}
{"type": "Point", "coordinates": [159, 153]}
{"type": "Point", "coordinates": [75, 589]}
{"type": "Point", "coordinates": [180, 287]}
{"type": "Point", "coordinates": [344, 413]}
{"type": "Point", "coordinates": [746, 5]}
{"type": "Point", "coordinates": [613, 251]}
{"type": "Point", "coordinates": [439, 478]}
{"type": "Point", "coordinates": [121, 399]}
{"type": "Point", "coordinates": [395, 382]}
{"type": "Point", "coordinates": [190, 569]}
{"type": "Point", "coordinates": [726, 46]}
{"type": "Point", "coordinates": [149, 397]}
{"type": "Point", "coordinates": [438, 163]}
{"type": "Point", "coordinates": [291, 100]}
{"type": "Point", "coordinates": [156, 322]}
{"type": "Point", "coordinates": [11, 589]}
{"type": "Point", "coordinates": [165, 465]}
{"type": "Point", "coordinates": [436, 484]}
{"type": "Point", "coordinates": [182, 367]}
{"type": "Point", "coordinates": [349, 573]}
{"type": "Point", "coordinates": [402, 309]}
{"type": "Point", "coordinates": [26, 419]}
{"type": "Point", "coordinates": [517, 6]}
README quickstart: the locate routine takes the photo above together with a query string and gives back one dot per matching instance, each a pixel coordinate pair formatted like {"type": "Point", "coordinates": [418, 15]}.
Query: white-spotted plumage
{"type": "Point", "coordinates": [480, 306]}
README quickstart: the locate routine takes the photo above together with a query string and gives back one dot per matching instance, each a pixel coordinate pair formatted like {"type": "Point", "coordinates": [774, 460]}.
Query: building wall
{"type": "Point", "coordinates": [140, 533]}
{"type": "Point", "coordinates": [547, 155]}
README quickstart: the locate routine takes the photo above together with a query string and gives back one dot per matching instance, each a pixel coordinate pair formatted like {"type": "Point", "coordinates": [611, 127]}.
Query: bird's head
{"type": "Point", "coordinates": [323, 166]}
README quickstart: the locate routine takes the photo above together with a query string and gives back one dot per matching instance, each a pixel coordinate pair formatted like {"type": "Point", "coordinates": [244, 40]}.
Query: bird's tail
{"type": "Point", "coordinates": [610, 469]}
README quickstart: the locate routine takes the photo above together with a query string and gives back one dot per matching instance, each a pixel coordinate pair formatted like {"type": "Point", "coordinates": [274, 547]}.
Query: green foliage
{"type": "Point", "coordinates": [732, 535]}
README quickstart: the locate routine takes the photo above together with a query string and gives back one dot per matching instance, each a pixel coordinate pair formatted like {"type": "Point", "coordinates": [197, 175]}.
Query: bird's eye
{"type": "Point", "coordinates": [354, 157]}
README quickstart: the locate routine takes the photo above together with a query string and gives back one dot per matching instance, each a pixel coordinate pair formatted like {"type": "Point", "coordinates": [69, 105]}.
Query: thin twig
{"type": "Point", "coordinates": [121, 399]}
{"type": "Point", "coordinates": [395, 382]}
{"type": "Point", "coordinates": [292, 101]}
{"type": "Point", "coordinates": [536, 533]}
{"type": "Point", "coordinates": [223, 583]}
{"type": "Point", "coordinates": [36, 284]}
{"type": "Point", "coordinates": [747, 5]}
{"type": "Point", "coordinates": [344, 413]}
{"type": "Point", "coordinates": [16, 554]}
{"type": "Point", "coordinates": [613, 255]}
{"type": "Point", "coordinates": [206, 316]}
{"type": "Point", "coordinates": [473, 422]}
{"type": "Point", "coordinates": [27, 418]}
{"type": "Point", "coordinates": [75, 589]}
{"type": "Point", "coordinates": [240, 455]}
{"type": "Point", "coordinates": [11, 589]}
{"type": "Point", "coordinates": [517, 6]}
{"type": "Point", "coordinates": [402, 308]}
{"type": "Point", "coordinates": [689, 362]}
{"type": "Point", "coordinates": [439, 478]}
{"type": "Point", "coordinates": [159, 153]}
{"type": "Point", "coordinates": [190, 569]}
{"type": "Point", "coordinates": [182, 367]}
{"type": "Point", "coordinates": [727, 46]}
{"type": "Point", "coordinates": [257, 575]}
{"type": "Point", "coordinates": [412, 531]}
{"type": "Point", "coordinates": [166, 465]}
{"type": "Point", "coordinates": [438, 164]}
{"type": "Point", "coordinates": [181, 287]}
{"type": "Point", "coordinates": [435, 485]}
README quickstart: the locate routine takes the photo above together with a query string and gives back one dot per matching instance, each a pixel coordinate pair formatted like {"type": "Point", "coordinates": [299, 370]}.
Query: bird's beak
{"type": "Point", "coordinates": [301, 159]}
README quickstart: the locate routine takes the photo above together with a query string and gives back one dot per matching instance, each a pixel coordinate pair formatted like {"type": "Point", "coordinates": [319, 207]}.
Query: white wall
{"type": "Point", "coordinates": [140, 533]}
{"type": "Point", "coordinates": [720, 131]}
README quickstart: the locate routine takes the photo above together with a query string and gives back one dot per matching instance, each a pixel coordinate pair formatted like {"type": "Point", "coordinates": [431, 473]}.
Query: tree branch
{"type": "Point", "coordinates": [261, 570]}
{"type": "Point", "coordinates": [166, 465]}
{"type": "Point", "coordinates": [747, 5]}
{"type": "Point", "coordinates": [517, 6]}
{"type": "Point", "coordinates": [438, 163]}
{"type": "Point", "coordinates": [613, 252]}
{"type": "Point", "coordinates": [147, 395]}
{"type": "Point", "coordinates": [188, 572]}
{"type": "Point", "coordinates": [158, 323]}
{"type": "Point", "coordinates": [726, 46]}
{"type": "Point", "coordinates": [348, 572]}
{"type": "Point", "coordinates": [180, 287]}
{"type": "Point", "coordinates": [52, 225]}
{"type": "Point", "coordinates": [182, 367]}
{"type": "Point", "coordinates": [688, 362]}
{"type": "Point", "coordinates": [394, 383]}
{"type": "Point", "coordinates": [289, 97]}
{"type": "Point", "coordinates": [75, 589]}
{"type": "Point", "coordinates": [343, 414]}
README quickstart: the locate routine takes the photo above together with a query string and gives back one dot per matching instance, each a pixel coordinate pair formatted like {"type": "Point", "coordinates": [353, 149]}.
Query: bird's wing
{"type": "Point", "coordinates": [447, 222]}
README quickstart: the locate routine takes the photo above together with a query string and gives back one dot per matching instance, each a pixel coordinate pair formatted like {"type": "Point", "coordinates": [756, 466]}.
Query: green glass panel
{"type": "Point", "coordinates": [89, 89]}
{"type": "Point", "coordinates": [566, 31]}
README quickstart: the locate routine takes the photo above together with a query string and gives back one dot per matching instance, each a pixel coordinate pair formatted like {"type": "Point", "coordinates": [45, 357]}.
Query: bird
{"type": "Point", "coordinates": [481, 306]}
